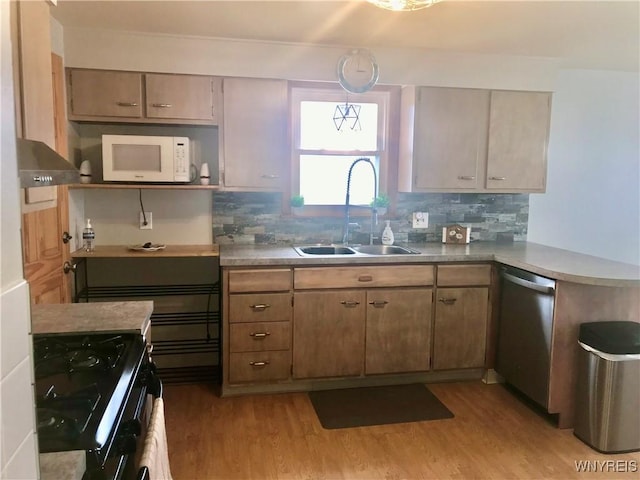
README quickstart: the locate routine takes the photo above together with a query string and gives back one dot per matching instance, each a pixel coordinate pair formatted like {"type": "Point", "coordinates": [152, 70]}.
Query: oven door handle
{"type": "Point", "coordinates": [143, 474]}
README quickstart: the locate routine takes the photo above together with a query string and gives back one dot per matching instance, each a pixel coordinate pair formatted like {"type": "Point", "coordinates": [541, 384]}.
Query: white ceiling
{"type": "Point", "coordinates": [583, 34]}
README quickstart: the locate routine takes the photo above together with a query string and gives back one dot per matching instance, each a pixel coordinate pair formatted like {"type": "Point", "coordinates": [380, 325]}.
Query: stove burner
{"type": "Point", "coordinates": [82, 360]}
{"type": "Point", "coordinates": [84, 353]}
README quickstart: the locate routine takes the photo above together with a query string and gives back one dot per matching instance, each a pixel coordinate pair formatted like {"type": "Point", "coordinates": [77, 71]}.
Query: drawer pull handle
{"type": "Point", "coordinates": [378, 303]}
{"type": "Point", "coordinates": [365, 278]}
{"type": "Point", "coordinates": [270, 177]}
{"type": "Point", "coordinates": [497, 178]}
{"type": "Point", "coordinates": [149, 348]}
{"type": "Point", "coordinates": [350, 303]}
{"type": "Point", "coordinates": [260, 307]}
{"type": "Point", "coordinates": [448, 301]}
{"type": "Point", "coordinates": [162, 105]}
{"type": "Point", "coordinates": [259, 335]}
{"type": "Point", "coordinates": [259, 364]}
{"type": "Point", "coordinates": [127, 104]}
{"type": "Point", "coordinates": [466, 177]}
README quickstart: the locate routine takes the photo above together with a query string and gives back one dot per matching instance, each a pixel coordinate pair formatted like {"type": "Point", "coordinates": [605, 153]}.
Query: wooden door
{"type": "Point", "coordinates": [254, 134]}
{"type": "Point", "coordinates": [450, 142]}
{"type": "Point", "coordinates": [328, 333]}
{"type": "Point", "coordinates": [398, 334]}
{"type": "Point", "coordinates": [187, 97]}
{"type": "Point", "coordinates": [41, 111]}
{"type": "Point", "coordinates": [518, 136]}
{"type": "Point", "coordinates": [460, 328]}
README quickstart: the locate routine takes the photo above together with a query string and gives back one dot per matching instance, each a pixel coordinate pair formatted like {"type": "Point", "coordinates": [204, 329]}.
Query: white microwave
{"type": "Point", "coordinates": [145, 158]}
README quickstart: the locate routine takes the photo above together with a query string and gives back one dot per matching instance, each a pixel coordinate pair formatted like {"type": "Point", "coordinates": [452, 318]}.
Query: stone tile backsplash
{"type": "Point", "coordinates": [255, 217]}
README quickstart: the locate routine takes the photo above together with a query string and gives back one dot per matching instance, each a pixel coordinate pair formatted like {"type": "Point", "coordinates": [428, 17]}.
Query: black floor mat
{"type": "Point", "coordinates": [359, 407]}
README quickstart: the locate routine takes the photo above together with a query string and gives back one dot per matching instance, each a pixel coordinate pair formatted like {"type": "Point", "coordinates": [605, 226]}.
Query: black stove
{"type": "Point", "coordinates": [90, 395]}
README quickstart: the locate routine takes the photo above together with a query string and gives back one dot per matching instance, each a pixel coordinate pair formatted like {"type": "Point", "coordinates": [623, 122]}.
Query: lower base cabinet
{"type": "Point", "coordinates": [398, 335]}
{"type": "Point", "coordinates": [460, 328]}
{"type": "Point", "coordinates": [328, 333]}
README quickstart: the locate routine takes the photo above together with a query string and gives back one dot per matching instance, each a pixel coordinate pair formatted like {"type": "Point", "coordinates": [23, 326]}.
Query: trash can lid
{"type": "Point", "coordinates": [611, 337]}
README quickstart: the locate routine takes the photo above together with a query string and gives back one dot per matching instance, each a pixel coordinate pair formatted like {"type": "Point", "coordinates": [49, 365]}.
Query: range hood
{"type": "Point", "coordinates": [41, 166]}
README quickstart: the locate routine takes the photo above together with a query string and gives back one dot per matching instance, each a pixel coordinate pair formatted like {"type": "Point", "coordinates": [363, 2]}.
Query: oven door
{"type": "Point", "coordinates": [126, 452]}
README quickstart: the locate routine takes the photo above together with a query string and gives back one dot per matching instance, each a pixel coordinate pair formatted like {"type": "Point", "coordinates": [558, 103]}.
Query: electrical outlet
{"type": "Point", "coordinates": [149, 224]}
{"type": "Point", "coordinates": [420, 220]}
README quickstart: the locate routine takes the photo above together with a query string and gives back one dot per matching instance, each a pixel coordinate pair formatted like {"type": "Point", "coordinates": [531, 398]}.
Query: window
{"type": "Point", "coordinates": [330, 131]}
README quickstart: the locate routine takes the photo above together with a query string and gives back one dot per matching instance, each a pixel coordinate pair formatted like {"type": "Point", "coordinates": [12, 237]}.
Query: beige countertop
{"type": "Point", "coordinates": [62, 465]}
{"type": "Point", "coordinates": [551, 262]}
{"type": "Point", "coordinates": [105, 317]}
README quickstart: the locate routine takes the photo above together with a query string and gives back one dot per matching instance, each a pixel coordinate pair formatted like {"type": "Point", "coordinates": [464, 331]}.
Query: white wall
{"type": "Point", "coordinates": [592, 203]}
{"type": "Point", "coordinates": [18, 457]}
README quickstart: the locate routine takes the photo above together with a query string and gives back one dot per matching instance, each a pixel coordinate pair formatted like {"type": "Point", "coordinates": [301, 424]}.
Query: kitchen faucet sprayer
{"type": "Point", "coordinates": [374, 210]}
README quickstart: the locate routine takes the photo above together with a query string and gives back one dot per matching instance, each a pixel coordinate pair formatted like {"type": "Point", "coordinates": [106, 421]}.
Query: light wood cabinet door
{"type": "Point", "coordinates": [460, 328]}
{"type": "Point", "coordinates": [518, 137]}
{"type": "Point", "coordinates": [450, 140]}
{"type": "Point", "coordinates": [102, 93]}
{"type": "Point", "coordinates": [186, 97]}
{"type": "Point", "coordinates": [254, 142]}
{"type": "Point", "coordinates": [328, 333]}
{"type": "Point", "coordinates": [398, 333]}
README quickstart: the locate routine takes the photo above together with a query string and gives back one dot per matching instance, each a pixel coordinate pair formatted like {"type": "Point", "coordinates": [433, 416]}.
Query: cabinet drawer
{"type": "Point", "coordinates": [256, 307]}
{"type": "Point", "coordinates": [272, 280]}
{"type": "Point", "coordinates": [259, 337]}
{"type": "Point", "coordinates": [349, 277]}
{"type": "Point", "coordinates": [455, 275]}
{"type": "Point", "coordinates": [259, 366]}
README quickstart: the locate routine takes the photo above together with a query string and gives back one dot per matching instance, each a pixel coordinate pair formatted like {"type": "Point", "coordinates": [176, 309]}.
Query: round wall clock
{"type": "Point", "coordinates": [357, 71]}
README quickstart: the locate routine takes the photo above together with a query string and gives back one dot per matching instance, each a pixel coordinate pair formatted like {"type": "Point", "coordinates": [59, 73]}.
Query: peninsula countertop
{"type": "Point", "coordinates": [551, 262]}
{"type": "Point", "coordinates": [98, 317]}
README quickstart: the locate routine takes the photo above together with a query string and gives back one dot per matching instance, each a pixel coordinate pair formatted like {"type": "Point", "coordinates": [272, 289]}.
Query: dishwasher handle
{"type": "Point", "coordinates": [546, 289]}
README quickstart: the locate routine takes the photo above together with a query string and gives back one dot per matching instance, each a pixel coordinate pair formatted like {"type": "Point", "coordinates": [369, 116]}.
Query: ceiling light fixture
{"type": "Point", "coordinates": [403, 5]}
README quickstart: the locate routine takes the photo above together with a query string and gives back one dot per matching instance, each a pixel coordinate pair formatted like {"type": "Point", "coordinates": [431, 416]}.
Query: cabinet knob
{"type": "Point", "coordinates": [448, 301]}
{"type": "Point", "coordinates": [259, 335]}
{"type": "Point", "coordinates": [259, 364]}
{"type": "Point", "coordinates": [259, 307]}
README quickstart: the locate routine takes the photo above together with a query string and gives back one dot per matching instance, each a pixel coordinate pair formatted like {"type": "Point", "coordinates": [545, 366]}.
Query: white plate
{"type": "Point", "coordinates": [152, 248]}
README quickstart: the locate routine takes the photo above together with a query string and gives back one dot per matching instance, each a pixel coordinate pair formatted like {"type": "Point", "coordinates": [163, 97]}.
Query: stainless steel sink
{"type": "Point", "coordinates": [324, 250]}
{"type": "Point", "coordinates": [384, 250]}
{"type": "Point", "coordinates": [373, 250]}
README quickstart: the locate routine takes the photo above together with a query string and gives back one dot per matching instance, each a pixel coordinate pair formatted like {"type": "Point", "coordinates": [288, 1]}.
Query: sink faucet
{"type": "Point", "coordinates": [374, 216]}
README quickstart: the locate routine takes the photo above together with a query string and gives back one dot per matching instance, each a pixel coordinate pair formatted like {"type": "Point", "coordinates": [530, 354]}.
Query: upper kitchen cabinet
{"type": "Point", "coordinates": [473, 140]}
{"type": "Point", "coordinates": [136, 97]}
{"type": "Point", "coordinates": [518, 136]}
{"type": "Point", "coordinates": [254, 149]}
{"type": "Point", "coordinates": [34, 92]}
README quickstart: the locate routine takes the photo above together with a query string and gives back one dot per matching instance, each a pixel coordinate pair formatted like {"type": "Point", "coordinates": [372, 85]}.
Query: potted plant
{"type": "Point", "coordinates": [380, 203]}
{"type": "Point", "coordinates": [297, 204]}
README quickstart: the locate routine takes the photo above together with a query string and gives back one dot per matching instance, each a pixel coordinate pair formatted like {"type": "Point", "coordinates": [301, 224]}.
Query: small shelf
{"type": "Point", "coordinates": [147, 291]}
{"type": "Point", "coordinates": [151, 186]}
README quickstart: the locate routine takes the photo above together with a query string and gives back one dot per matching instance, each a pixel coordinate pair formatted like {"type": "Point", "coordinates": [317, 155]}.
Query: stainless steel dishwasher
{"type": "Point", "coordinates": [524, 334]}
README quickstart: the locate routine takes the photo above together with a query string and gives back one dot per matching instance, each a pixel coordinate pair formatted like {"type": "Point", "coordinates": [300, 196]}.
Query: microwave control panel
{"type": "Point", "coordinates": [181, 159]}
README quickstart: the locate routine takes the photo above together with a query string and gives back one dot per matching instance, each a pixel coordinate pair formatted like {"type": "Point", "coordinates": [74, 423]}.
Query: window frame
{"type": "Point", "coordinates": [387, 99]}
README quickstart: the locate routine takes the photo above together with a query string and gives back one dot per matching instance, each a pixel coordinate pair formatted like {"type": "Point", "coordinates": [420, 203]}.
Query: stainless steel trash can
{"type": "Point", "coordinates": [608, 386]}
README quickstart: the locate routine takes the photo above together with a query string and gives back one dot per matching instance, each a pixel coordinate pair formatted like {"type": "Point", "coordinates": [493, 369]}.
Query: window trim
{"type": "Point", "coordinates": [388, 98]}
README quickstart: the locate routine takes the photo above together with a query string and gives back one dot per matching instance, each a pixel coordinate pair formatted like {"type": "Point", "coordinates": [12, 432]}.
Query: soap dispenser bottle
{"type": "Point", "coordinates": [387, 234]}
{"type": "Point", "coordinates": [88, 237]}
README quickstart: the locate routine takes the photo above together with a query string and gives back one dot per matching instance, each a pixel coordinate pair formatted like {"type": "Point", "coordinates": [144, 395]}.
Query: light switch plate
{"type": "Point", "coordinates": [420, 220]}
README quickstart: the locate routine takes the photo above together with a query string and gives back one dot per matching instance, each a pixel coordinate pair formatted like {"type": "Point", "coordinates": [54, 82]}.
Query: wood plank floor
{"type": "Point", "coordinates": [494, 435]}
